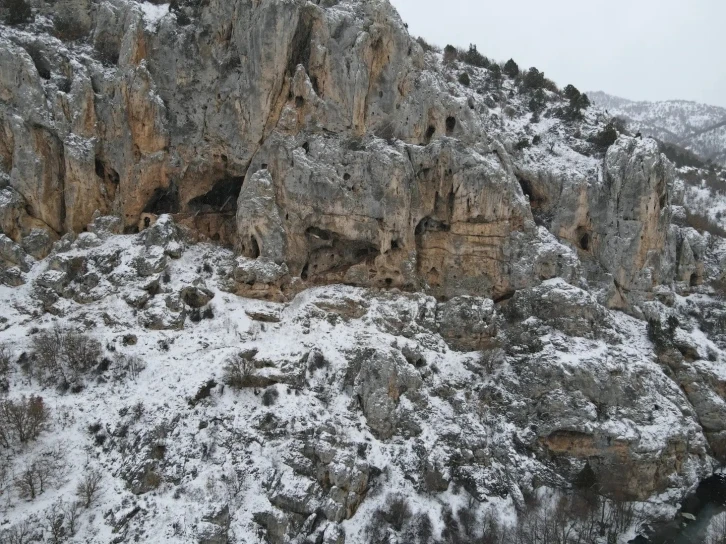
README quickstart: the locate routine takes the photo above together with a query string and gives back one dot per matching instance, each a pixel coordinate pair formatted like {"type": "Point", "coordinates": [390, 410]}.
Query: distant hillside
{"type": "Point", "coordinates": [700, 128]}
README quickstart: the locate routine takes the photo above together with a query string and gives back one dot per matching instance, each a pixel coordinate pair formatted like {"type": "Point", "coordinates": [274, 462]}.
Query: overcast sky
{"type": "Point", "coordinates": [637, 49]}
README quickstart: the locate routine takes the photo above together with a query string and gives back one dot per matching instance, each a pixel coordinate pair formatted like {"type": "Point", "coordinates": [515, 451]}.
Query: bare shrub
{"type": "Point", "coordinates": [54, 524]}
{"type": "Point", "coordinates": [20, 533]}
{"type": "Point", "coordinates": [397, 512]}
{"type": "Point", "coordinates": [41, 473]}
{"type": "Point", "coordinates": [237, 371]}
{"type": "Point", "coordinates": [426, 46]}
{"type": "Point", "coordinates": [17, 12]}
{"type": "Point", "coordinates": [22, 420]}
{"type": "Point", "coordinates": [88, 487]}
{"type": "Point", "coordinates": [63, 355]}
{"type": "Point", "coordinates": [129, 366]}
{"type": "Point", "coordinates": [72, 511]}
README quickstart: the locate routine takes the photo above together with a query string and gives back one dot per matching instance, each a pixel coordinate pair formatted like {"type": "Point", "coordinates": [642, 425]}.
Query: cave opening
{"type": "Point", "coordinates": [163, 201]}
{"type": "Point", "coordinates": [450, 125]}
{"type": "Point", "coordinates": [222, 197]}
{"type": "Point", "coordinates": [254, 248]}
{"type": "Point", "coordinates": [429, 135]}
{"type": "Point", "coordinates": [105, 172]}
{"type": "Point", "coordinates": [585, 242]}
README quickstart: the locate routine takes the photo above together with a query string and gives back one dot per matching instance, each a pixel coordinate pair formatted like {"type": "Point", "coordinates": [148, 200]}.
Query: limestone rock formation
{"type": "Point", "coordinates": [522, 308]}
{"type": "Point", "coordinates": [318, 137]}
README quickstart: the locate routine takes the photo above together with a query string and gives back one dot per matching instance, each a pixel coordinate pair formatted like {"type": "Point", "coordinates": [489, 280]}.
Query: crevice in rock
{"type": "Point", "coordinates": [41, 63]}
{"type": "Point", "coordinates": [254, 249]}
{"type": "Point", "coordinates": [584, 239]}
{"type": "Point", "coordinates": [504, 297]}
{"type": "Point", "coordinates": [105, 172]}
{"type": "Point", "coordinates": [429, 135]}
{"type": "Point", "coordinates": [301, 41]}
{"type": "Point", "coordinates": [429, 224]}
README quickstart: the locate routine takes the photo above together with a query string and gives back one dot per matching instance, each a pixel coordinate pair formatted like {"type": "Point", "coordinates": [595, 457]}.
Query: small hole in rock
{"type": "Point", "coordinates": [450, 125]}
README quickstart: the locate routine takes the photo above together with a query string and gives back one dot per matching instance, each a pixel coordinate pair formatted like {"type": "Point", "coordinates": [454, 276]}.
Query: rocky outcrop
{"type": "Point", "coordinates": [474, 350]}
{"type": "Point", "coordinates": [320, 138]}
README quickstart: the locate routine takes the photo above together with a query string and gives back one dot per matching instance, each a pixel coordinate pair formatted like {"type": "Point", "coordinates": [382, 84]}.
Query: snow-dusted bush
{"type": "Point", "coordinates": [22, 420]}
{"type": "Point", "coordinates": [237, 371]}
{"type": "Point", "coordinates": [39, 474]}
{"type": "Point", "coordinates": [88, 487]}
{"type": "Point", "coordinates": [63, 355]}
{"type": "Point", "coordinates": [450, 54]}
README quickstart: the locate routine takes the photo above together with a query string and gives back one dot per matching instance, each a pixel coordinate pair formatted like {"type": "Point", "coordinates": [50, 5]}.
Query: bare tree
{"type": "Point", "coordinates": [42, 472]}
{"type": "Point", "coordinates": [20, 533]}
{"type": "Point", "coordinates": [63, 355]}
{"type": "Point", "coordinates": [72, 511]}
{"type": "Point", "coordinates": [22, 420]}
{"type": "Point", "coordinates": [88, 487]}
{"type": "Point", "coordinates": [54, 523]}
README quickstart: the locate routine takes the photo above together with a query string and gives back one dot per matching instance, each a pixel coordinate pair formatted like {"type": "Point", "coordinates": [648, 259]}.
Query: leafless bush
{"type": "Point", "coordinates": [72, 511]}
{"type": "Point", "coordinates": [426, 46]}
{"type": "Point", "coordinates": [22, 420]}
{"type": "Point", "coordinates": [88, 487]}
{"type": "Point", "coordinates": [20, 533]}
{"type": "Point", "coordinates": [130, 366]}
{"type": "Point", "coordinates": [54, 524]}
{"type": "Point", "coordinates": [63, 355]}
{"type": "Point", "coordinates": [42, 472]}
{"type": "Point", "coordinates": [237, 371]}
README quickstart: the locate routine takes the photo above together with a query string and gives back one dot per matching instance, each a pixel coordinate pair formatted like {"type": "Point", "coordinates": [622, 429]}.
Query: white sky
{"type": "Point", "coordinates": [637, 49]}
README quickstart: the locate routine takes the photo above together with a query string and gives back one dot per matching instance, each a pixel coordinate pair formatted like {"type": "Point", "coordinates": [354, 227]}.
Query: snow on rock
{"type": "Point", "coordinates": [153, 13]}
{"type": "Point", "coordinates": [349, 398]}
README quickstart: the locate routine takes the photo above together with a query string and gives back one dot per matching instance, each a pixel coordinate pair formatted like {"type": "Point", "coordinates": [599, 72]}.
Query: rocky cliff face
{"type": "Point", "coordinates": [316, 136]}
{"type": "Point", "coordinates": [500, 267]}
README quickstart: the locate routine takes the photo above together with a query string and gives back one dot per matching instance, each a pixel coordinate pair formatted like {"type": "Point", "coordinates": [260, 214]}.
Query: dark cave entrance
{"type": "Point", "coordinates": [450, 125]}
{"type": "Point", "coordinates": [163, 201]}
{"type": "Point", "coordinates": [222, 197]}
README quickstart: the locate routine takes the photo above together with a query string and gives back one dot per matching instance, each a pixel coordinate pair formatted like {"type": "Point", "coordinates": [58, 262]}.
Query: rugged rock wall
{"type": "Point", "coordinates": [323, 144]}
{"type": "Point", "coordinates": [319, 136]}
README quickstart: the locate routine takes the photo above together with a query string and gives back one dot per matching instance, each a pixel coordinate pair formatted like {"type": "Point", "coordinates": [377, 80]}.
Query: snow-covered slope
{"type": "Point", "coordinates": [356, 403]}
{"type": "Point", "coordinates": [700, 128]}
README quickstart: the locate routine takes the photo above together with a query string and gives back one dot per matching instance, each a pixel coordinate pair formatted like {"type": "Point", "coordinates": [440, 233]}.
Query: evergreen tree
{"type": "Point", "coordinates": [511, 68]}
{"type": "Point", "coordinates": [495, 74]}
{"type": "Point", "coordinates": [475, 58]}
{"type": "Point", "coordinates": [533, 80]}
{"type": "Point", "coordinates": [571, 93]}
